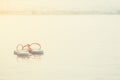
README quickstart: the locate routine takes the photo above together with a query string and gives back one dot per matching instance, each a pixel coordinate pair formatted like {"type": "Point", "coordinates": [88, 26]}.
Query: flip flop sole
{"type": "Point", "coordinates": [22, 54]}
{"type": "Point", "coordinates": [37, 52]}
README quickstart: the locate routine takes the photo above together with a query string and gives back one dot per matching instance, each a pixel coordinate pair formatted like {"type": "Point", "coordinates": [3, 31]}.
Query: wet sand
{"type": "Point", "coordinates": [75, 47]}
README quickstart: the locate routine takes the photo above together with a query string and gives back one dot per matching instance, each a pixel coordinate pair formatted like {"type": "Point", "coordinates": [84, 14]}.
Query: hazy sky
{"type": "Point", "coordinates": [61, 4]}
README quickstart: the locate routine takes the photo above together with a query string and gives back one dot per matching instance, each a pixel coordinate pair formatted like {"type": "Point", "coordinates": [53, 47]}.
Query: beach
{"type": "Point", "coordinates": [76, 47]}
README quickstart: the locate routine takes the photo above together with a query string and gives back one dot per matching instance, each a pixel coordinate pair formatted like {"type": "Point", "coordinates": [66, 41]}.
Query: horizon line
{"type": "Point", "coordinates": [58, 12]}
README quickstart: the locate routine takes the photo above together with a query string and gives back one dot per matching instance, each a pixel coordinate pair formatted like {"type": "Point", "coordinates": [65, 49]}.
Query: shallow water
{"type": "Point", "coordinates": [75, 47]}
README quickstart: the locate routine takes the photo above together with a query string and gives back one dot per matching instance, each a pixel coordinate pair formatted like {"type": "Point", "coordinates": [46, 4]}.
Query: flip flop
{"type": "Point", "coordinates": [21, 53]}
{"type": "Point", "coordinates": [34, 51]}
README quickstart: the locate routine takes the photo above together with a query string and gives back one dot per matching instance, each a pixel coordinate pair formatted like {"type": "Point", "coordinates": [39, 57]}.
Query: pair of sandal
{"type": "Point", "coordinates": [27, 51]}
